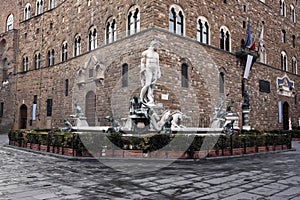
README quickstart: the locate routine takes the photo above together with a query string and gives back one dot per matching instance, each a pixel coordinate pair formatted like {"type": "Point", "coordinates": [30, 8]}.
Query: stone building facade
{"type": "Point", "coordinates": [89, 52]}
{"type": "Point", "coordinates": [8, 62]}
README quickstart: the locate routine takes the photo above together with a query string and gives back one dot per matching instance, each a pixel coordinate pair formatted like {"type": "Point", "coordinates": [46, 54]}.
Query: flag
{"type": "Point", "coordinates": [261, 40]}
{"type": "Point", "coordinates": [248, 42]}
{"type": "Point", "coordinates": [253, 45]}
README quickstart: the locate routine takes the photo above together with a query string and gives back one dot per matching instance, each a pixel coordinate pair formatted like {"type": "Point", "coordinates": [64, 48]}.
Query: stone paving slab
{"type": "Point", "coordinates": [30, 176]}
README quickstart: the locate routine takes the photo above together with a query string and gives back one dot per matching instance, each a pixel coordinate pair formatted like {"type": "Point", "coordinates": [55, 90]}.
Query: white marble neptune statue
{"type": "Point", "coordinates": [150, 73]}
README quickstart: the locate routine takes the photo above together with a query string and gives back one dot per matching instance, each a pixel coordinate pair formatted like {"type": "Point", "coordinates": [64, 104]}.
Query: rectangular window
{"type": "Point", "coordinates": [125, 75]}
{"type": "Point", "coordinates": [221, 77]}
{"type": "Point", "coordinates": [1, 109]}
{"type": "Point", "coordinates": [49, 107]}
{"type": "Point", "coordinates": [67, 87]}
{"type": "Point", "coordinates": [184, 76]}
{"type": "Point", "coordinates": [35, 97]}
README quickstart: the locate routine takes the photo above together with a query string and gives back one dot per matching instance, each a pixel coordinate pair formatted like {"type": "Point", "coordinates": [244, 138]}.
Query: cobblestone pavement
{"type": "Point", "coordinates": [32, 176]}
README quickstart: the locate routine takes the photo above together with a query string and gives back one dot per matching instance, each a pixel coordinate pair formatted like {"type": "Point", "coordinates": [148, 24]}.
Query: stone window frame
{"type": "Point", "coordinates": [37, 60]}
{"type": "Point", "coordinates": [176, 13]}
{"type": "Point", "coordinates": [52, 4]}
{"type": "Point", "coordinates": [64, 51]}
{"type": "Point", "coordinates": [292, 14]}
{"type": "Point", "coordinates": [10, 22]}
{"type": "Point", "coordinates": [27, 11]}
{"type": "Point", "coordinates": [111, 30]}
{"type": "Point", "coordinates": [133, 20]}
{"type": "Point", "coordinates": [225, 39]}
{"type": "Point", "coordinates": [39, 7]}
{"type": "Point", "coordinates": [282, 8]}
{"type": "Point", "coordinates": [92, 38]}
{"type": "Point", "coordinates": [25, 64]}
{"type": "Point", "coordinates": [77, 45]}
{"type": "Point", "coordinates": [200, 33]}
{"type": "Point", "coordinates": [294, 65]}
{"type": "Point", "coordinates": [283, 58]}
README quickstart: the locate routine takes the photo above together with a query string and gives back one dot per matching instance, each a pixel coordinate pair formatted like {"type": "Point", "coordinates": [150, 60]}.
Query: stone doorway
{"type": "Point", "coordinates": [285, 116]}
{"type": "Point", "coordinates": [23, 117]}
{"type": "Point", "coordinates": [90, 108]}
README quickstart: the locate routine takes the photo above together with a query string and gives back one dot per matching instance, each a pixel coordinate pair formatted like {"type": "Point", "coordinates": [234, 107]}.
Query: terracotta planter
{"type": "Point", "coordinates": [43, 148]}
{"type": "Point", "coordinates": [238, 151]}
{"type": "Point", "coordinates": [68, 151]}
{"type": "Point", "coordinates": [250, 150]}
{"type": "Point", "coordinates": [35, 146]}
{"type": "Point", "coordinates": [262, 149]}
{"type": "Point", "coordinates": [227, 152]}
{"type": "Point", "coordinates": [278, 148]}
{"type": "Point", "coordinates": [212, 153]}
{"type": "Point", "coordinates": [271, 148]}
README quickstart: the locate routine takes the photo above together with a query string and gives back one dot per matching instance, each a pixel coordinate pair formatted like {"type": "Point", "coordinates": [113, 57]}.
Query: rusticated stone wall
{"type": "Point", "coordinates": [50, 29]}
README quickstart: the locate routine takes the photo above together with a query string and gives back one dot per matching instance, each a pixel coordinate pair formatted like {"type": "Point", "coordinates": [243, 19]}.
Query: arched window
{"type": "Point", "coordinates": [222, 39]}
{"type": "Point", "coordinates": [27, 11]}
{"type": "Point", "coordinates": [294, 65]}
{"type": "Point", "coordinates": [125, 75]}
{"type": "Point", "coordinates": [39, 7]}
{"type": "Point", "coordinates": [111, 31]}
{"type": "Point", "coordinates": [222, 81]}
{"type": "Point", "coordinates": [50, 57]}
{"type": "Point", "coordinates": [92, 39]}
{"type": "Point", "coordinates": [284, 66]}
{"type": "Point", "coordinates": [172, 22]}
{"type": "Point", "coordinates": [52, 4]}
{"type": "Point", "coordinates": [282, 8]}
{"type": "Point", "coordinates": [25, 63]}
{"type": "Point", "coordinates": [64, 51]}
{"type": "Point", "coordinates": [179, 27]}
{"type": "Point", "coordinates": [10, 22]}
{"type": "Point", "coordinates": [77, 45]}
{"type": "Point", "coordinates": [202, 30]}
{"type": "Point", "coordinates": [176, 20]}
{"type": "Point", "coordinates": [292, 13]}
{"type": "Point", "coordinates": [184, 76]}
{"type": "Point", "coordinates": [37, 61]}
{"type": "Point", "coordinates": [133, 20]}
{"type": "Point", "coordinates": [283, 36]}
{"type": "Point", "coordinates": [225, 40]}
